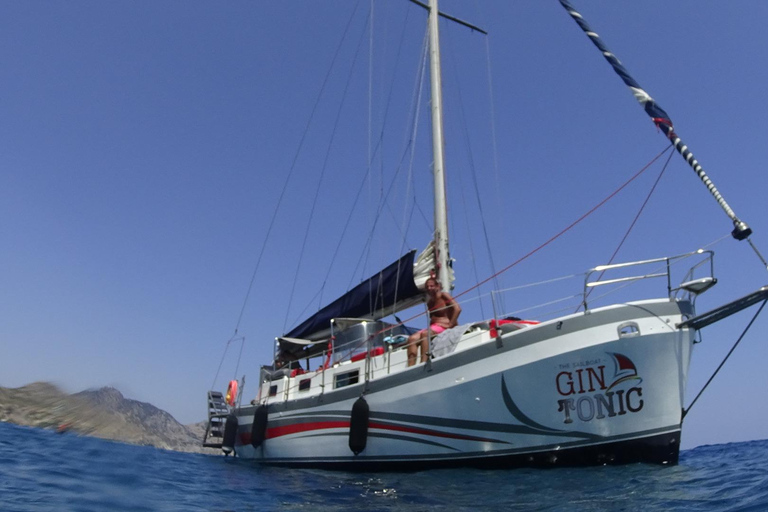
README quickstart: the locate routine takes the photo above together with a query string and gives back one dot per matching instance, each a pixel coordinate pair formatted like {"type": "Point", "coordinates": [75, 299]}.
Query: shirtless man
{"type": "Point", "coordinates": [443, 314]}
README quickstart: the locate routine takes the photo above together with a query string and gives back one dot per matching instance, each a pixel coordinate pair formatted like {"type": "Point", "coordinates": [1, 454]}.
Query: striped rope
{"type": "Point", "coordinates": [661, 120]}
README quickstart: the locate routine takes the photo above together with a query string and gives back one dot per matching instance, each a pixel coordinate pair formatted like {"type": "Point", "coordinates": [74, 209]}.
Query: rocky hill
{"type": "Point", "coordinates": [103, 413]}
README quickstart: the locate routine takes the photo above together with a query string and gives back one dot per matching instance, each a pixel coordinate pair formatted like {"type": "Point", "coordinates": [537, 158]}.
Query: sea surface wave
{"type": "Point", "coordinates": [42, 470]}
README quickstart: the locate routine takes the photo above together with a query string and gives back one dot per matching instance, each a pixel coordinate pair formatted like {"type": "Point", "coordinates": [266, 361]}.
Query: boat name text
{"type": "Point", "coordinates": [598, 400]}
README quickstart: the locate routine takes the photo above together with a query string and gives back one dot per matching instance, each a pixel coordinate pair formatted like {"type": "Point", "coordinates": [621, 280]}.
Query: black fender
{"type": "Point", "coordinates": [358, 426]}
{"type": "Point", "coordinates": [230, 434]}
{"type": "Point", "coordinates": [259, 427]}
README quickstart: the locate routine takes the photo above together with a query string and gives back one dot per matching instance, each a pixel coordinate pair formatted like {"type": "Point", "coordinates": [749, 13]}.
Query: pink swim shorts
{"type": "Point", "coordinates": [435, 328]}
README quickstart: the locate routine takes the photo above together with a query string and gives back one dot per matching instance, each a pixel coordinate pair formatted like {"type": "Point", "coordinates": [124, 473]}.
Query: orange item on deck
{"type": "Point", "coordinates": [232, 393]}
{"type": "Point", "coordinates": [521, 323]}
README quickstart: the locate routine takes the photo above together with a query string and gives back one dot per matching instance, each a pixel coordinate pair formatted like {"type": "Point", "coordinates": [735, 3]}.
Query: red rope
{"type": "Point", "coordinates": [558, 235]}
{"type": "Point", "coordinates": [590, 212]}
{"type": "Point", "coordinates": [634, 221]}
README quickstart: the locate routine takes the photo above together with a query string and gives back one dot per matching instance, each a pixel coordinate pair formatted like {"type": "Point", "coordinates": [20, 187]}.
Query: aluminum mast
{"type": "Point", "coordinates": [442, 255]}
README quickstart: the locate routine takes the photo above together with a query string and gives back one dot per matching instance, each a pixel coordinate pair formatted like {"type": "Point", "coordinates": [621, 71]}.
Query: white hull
{"type": "Point", "coordinates": [572, 390]}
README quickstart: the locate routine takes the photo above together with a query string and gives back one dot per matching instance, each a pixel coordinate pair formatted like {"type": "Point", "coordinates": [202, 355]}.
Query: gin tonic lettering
{"type": "Point", "coordinates": [588, 397]}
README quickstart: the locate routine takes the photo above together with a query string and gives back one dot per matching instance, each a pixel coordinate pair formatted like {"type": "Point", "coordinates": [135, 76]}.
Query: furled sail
{"type": "Point", "coordinates": [396, 287]}
{"type": "Point", "coordinates": [662, 121]}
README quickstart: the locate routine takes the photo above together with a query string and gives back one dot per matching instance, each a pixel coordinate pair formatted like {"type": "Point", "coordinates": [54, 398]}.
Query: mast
{"type": "Point", "coordinates": [442, 255]}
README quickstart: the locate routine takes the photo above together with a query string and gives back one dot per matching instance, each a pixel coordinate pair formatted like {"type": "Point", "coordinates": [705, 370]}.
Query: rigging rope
{"type": "Point", "coordinates": [686, 411]}
{"type": "Point", "coordinates": [473, 172]}
{"type": "Point", "coordinates": [239, 357]}
{"type": "Point", "coordinates": [492, 116]}
{"type": "Point", "coordinates": [421, 212]}
{"type": "Point", "coordinates": [634, 221]}
{"type": "Point", "coordinates": [233, 338]}
{"type": "Point", "coordinates": [562, 232]}
{"type": "Point", "coordinates": [410, 145]}
{"type": "Point", "coordinates": [642, 207]}
{"type": "Point", "coordinates": [572, 225]}
{"type": "Point", "coordinates": [322, 175]}
{"type": "Point", "coordinates": [298, 317]}
{"type": "Point", "coordinates": [409, 182]}
{"type": "Point", "coordinates": [292, 168]}
{"type": "Point", "coordinates": [383, 199]}
{"type": "Point", "coordinates": [376, 150]}
{"type": "Point", "coordinates": [416, 104]}
{"type": "Point", "coordinates": [662, 121]}
{"type": "Point", "coordinates": [472, 247]}
{"type": "Point", "coordinates": [370, 84]}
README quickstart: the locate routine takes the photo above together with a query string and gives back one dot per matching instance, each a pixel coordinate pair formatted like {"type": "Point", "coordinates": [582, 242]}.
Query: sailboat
{"type": "Point", "coordinates": [602, 385]}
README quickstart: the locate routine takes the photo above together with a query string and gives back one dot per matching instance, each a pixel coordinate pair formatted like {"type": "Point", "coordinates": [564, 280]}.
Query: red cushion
{"type": "Point", "coordinates": [494, 323]}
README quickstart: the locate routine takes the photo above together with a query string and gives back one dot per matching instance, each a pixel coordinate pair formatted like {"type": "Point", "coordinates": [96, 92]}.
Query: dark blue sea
{"type": "Point", "coordinates": [42, 470]}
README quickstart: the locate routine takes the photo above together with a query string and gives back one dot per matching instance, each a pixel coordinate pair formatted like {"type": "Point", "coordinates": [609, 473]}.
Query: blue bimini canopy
{"type": "Point", "coordinates": [387, 292]}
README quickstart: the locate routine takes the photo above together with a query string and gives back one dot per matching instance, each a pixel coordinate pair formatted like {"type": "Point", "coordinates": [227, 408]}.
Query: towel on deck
{"type": "Point", "coordinates": [445, 342]}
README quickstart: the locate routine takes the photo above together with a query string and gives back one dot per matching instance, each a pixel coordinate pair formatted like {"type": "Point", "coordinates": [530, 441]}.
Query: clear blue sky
{"type": "Point", "coordinates": [143, 146]}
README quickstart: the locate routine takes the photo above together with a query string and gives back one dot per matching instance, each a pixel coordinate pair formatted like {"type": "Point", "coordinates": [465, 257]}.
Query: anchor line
{"type": "Point", "coordinates": [686, 411]}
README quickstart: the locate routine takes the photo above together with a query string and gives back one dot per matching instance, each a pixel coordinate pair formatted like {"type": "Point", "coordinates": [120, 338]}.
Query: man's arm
{"type": "Point", "coordinates": [454, 310]}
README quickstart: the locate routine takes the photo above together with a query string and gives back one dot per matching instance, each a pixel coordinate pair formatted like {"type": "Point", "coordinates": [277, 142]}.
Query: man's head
{"type": "Point", "coordinates": [432, 286]}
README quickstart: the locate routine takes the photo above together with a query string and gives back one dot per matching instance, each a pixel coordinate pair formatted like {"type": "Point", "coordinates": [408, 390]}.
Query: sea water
{"type": "Point", "coordinates": [42, 470]}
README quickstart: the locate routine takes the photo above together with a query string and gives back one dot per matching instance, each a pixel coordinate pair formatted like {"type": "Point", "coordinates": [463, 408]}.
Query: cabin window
{"type": "Point", "coordinates": [347, 379]}
{"type": "Point", "coordinates": [273, 390]}
{"type": "Point", "coordinates": [304, 384]}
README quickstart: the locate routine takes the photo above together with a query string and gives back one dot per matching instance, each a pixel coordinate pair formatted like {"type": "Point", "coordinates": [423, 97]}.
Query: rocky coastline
{"type": "Point", "coordinates": [103, 413]}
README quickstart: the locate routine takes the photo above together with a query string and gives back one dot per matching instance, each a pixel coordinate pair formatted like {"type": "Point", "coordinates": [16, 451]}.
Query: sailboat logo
{"type": "Point", "coordinates": [625, 370]}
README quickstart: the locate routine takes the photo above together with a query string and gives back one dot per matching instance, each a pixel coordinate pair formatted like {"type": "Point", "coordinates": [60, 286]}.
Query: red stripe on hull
{"type": "Point", "coordinates": [304, 427]}
{"type": "Point", "coordinates": [245, 437]}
